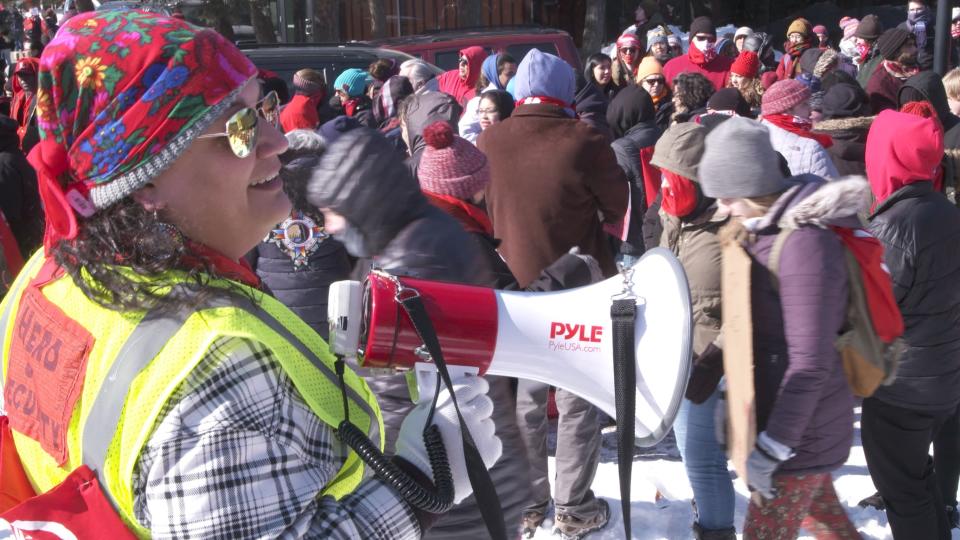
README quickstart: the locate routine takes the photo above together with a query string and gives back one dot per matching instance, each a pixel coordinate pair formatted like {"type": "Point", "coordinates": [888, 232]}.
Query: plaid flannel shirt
{"type": "Point", "coordinates": [238, 454]}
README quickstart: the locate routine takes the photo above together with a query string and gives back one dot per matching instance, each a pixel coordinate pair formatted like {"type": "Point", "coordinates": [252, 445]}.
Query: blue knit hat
{"type": "Point", "coordinates": [354, 79]}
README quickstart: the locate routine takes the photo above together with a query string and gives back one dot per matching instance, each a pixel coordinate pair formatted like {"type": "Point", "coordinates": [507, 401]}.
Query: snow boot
{"type": "Point", "coordinates": [875, 501]}
{"type": "Point", "coordinates": [571, 527]}
{"type": "Point", "coordinates": [699, 533]}
{"type": "Point", "coordinates": [531, 522]}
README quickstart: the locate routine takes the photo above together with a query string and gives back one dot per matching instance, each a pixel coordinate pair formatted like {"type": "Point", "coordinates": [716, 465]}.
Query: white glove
{"type": "Point", "coordinates": [476, 407]}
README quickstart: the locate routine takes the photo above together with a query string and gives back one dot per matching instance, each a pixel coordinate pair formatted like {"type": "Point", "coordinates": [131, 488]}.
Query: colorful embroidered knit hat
{"type": "Point", "coordinates": [121, 95]}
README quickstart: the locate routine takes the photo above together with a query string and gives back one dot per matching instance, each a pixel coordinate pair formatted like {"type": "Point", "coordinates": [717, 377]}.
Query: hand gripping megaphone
{"type": "Point", "coordinates": [564, 339]}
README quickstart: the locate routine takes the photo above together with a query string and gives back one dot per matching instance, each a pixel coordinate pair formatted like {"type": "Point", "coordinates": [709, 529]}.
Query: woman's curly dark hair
{"type": "Point", "coordinates": [121, 243]}
{"type": "Point", "coordinates": [693, 90]}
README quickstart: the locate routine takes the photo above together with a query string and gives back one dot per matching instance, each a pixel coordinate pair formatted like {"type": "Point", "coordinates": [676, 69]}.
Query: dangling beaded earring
{"type": "Point", "coordinates": [170, 230]}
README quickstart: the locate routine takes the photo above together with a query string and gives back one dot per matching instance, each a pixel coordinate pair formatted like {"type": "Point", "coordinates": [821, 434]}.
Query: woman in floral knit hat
{"type": "Point", "coordinates": [205, 407]}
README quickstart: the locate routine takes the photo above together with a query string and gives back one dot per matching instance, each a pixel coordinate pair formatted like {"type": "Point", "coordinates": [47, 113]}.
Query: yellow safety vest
{"type": "Point", "coordinates": [149, 356]}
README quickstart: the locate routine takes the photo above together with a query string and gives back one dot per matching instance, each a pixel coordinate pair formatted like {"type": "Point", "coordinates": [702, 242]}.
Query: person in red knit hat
{"type": "Point", "coordinates": [744, 76]}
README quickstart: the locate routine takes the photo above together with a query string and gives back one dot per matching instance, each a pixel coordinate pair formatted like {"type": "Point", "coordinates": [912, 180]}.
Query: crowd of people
{"type": "Point", "coordinates": [182, 200]}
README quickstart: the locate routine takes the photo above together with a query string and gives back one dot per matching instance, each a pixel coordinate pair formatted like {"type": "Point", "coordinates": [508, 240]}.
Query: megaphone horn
{"type": "Point", "coordinates": [563, 338]}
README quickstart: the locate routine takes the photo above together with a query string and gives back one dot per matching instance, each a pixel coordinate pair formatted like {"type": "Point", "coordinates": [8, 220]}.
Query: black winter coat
{"type": "Point", "coordinates": [361, 178]}
{"type": "Point", "coordinates": [19, 195]}
{"type": "Point", "coordinates": [627, 149]}
{"type": "Point", "coordinates": [920, 232]}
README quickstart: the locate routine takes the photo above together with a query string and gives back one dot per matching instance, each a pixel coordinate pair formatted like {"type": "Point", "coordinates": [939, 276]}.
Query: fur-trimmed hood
{"type": "Point", "coordinates": [856, 123]}
{"type": "Point", "coordinates": [814, 201]}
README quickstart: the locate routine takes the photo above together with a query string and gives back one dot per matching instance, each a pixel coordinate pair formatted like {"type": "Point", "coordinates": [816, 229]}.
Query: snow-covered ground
{"type": "Point", "coordinates": [670, 517]}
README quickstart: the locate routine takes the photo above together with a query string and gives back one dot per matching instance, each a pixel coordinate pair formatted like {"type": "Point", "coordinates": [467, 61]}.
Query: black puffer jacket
{"type": "Point", "coordinates": [920, 232]}
{"type": "Point", "coordinates": [361, 178]}
{"type": "Point", "coordinates": [632, 117]}
{"type": "Point", "coordinates": [303, 289]}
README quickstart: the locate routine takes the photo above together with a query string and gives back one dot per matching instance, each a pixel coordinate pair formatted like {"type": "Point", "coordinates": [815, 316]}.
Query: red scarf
{"type": "Point", "coordinates": [796, 50]}
{"type": "Point", "coordinates": [471, 217]}
{"type": "Point", "coordinates": [699, 57]}
{"type": "Point", "coordinates": [224, 266]}
{"type": "Point", "coordinates": [864, 50]}
{"type": "Point", "coordinates": [803, 129]}
{"type": "Point", "coordinates": [679, 195]}
{"type": "Point", "coordinates": [547, 100]}
{"type": "Point", "coordinates": [895, 69]}
{"type": "Point", "coordinates": [350, 106]}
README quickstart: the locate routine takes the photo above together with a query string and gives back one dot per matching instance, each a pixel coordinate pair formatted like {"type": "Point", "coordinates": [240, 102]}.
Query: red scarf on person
{"type": "Point", "coordinates": [699, 57]}
{"type": "Point", "coordinates": [796, 50]}
{"type": "Point", "coordinates": [897, 70]}
{"type": "Point", "coordinates": [224, 266]}
{"type": "Point", "coordinates": [797, 127]}
{"type": "Point", "coordinates": [473, 218]}
{"type": "Point", "coordinates": [679, 195]}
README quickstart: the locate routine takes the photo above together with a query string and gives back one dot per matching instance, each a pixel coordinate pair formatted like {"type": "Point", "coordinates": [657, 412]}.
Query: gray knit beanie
{"type": "Point", "coordinates": [679, 149]}
{"type": "Point", "coordinates": [740, 162]}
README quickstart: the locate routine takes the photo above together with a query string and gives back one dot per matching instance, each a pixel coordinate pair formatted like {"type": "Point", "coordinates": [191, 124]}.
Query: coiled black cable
{"type": "Point", "coordinates": [417, 495]}
{"type": "Point", "coordinates": [434, 502]}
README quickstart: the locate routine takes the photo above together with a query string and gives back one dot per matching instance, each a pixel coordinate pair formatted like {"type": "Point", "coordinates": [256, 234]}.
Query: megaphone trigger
{"type": "Point", "coordinates": [428, 380]}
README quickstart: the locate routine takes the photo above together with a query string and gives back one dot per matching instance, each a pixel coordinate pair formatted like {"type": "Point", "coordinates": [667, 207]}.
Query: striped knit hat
{"type": "Point", "coordinates": [451, 165]}
{"type": "Point", "coordinates": [309, 82]}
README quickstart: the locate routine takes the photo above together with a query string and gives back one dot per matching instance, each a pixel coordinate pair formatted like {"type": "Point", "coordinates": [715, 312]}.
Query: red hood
{"type": "Point", "coordinates": [22, 63]}
{"type": "Point", "coordinates": [902, 149]}
{"type": "Point", "coordinates": [475, 57]}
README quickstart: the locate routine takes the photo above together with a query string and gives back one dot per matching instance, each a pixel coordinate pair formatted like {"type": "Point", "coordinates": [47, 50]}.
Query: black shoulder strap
{"type": "Point", "coordinates": [623, 312]}
{"type": "Point", "coordinates": [483, 489]}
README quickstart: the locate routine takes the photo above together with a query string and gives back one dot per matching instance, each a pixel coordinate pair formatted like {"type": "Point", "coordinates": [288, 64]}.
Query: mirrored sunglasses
{"type": "Point", "coordinates": [269, 108]}
{"type": "Point", "coordinates": [241, 132]}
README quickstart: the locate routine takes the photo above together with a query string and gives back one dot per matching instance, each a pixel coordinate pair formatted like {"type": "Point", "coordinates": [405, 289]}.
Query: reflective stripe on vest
{"type": "Point", "coordinates": [150, 355]}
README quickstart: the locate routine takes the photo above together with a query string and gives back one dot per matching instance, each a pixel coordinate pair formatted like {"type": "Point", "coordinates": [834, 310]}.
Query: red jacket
{"type": "Point", "coordinates": [464, 90]}
{"type": "Point", "coordinates": [718, 70]}
{"type": "Point", "coordinates": [300, 113]}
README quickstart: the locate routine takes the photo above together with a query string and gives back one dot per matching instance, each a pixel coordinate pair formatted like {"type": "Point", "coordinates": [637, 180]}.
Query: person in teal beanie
{"type": "Point", "coordinates": [350, 96]}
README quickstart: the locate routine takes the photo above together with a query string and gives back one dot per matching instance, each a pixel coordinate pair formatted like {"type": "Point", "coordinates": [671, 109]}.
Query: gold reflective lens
{"type": "Point", "coordinates": [269, 108]}
{"type": "Point", "coordinates": [242, 132]}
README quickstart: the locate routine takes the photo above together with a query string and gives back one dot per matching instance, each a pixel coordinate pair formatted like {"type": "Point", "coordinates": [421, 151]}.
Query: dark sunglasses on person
{"type": "Point", "coordinates": [629, 50]}
{"type": "Point", "coordinates": [654, 80]}
{"type": "Point", "coordinates": [463, 62]}
{"type": "Point", "coordinates": [241, 128]}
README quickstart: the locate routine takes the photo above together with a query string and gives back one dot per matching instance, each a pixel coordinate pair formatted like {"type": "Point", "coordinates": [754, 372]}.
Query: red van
{"type": "Point", "coordinates": [442, 48]}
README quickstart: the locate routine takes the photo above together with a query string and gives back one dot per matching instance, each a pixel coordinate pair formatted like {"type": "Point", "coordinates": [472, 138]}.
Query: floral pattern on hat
{"type": "Point", "coordinates": [119, 88]}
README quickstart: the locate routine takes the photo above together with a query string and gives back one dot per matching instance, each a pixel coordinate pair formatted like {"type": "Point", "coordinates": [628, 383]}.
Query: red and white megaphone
{"type": "Point", "coordinates": [561, 338]}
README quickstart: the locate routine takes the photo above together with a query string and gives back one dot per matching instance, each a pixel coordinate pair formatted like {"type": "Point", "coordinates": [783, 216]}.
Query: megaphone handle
{"type": "Point", "coordinates": [483, 489]}
{"type": "Point", "coordinates": [427, 378]}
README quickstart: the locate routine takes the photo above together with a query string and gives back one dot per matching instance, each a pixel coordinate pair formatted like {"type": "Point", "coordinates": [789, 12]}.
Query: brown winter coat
{"type": "Point", "coordinates": [695, 243]}
{"type": "Point", "coordinates": [551, 177]}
